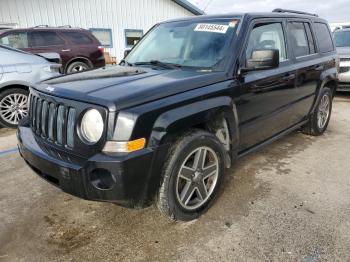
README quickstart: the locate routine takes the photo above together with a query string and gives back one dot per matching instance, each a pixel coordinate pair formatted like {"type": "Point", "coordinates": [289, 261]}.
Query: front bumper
{"type": "Point", "coordinates": [124, 180]}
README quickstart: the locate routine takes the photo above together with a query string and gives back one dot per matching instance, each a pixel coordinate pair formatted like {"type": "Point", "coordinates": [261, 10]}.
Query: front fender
{"type": "Point", "coordinates": [179, 119]}
{"type": "Point", "coordinates": [14, 83]}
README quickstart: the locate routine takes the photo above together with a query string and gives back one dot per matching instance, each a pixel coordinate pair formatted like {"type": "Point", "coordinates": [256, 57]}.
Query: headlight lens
{"type": "Point", "coordinates": [92, 126]}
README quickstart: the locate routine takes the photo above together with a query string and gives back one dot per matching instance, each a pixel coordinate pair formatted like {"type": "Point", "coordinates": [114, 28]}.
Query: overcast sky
{"type": "Point", "coordinates": [332, 10]}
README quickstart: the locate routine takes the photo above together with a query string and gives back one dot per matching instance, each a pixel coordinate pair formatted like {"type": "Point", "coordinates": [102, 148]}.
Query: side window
{"type": "Point", "coordinates": [324, 38]}
{"type": "Point", "coordinates": [78, 38]}
{"type": "Point", "coordinates": [300, 39]}
{"type": "Point", "coordinates": [15, 40]}
{"type": "Point", "coordinates": [267, 36]}
{"type": "Point", "coordinates": [42, 38]}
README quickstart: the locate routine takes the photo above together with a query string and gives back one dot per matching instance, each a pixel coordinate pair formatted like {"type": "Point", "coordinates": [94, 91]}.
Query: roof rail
{"type": "Point", "coordinates": [280, 10]}
{"type": "Point", "coordinates": [65, 26]}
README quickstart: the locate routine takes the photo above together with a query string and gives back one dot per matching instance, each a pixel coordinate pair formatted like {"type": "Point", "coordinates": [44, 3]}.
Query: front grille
{"type": "Point", "coordinates": [52, 121]}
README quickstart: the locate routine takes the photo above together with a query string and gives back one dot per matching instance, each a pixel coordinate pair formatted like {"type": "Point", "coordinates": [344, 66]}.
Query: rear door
{"type": "Point", "coordinates": [307, 64]}
{"type": "Point", "coordinates": [80, 43]}
{"type": "Point", "coordinates": [264, 106]}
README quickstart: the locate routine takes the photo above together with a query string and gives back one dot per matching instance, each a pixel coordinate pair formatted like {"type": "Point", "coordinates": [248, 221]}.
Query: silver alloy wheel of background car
{"type": "Point", "coordinates": [323, 112]}
{"type": "Point", "coordinates": [13, 107]}
{"type": "Point", "coordinates": [197, 178]}
{"type": "Point", "coordinates": [79, 68]}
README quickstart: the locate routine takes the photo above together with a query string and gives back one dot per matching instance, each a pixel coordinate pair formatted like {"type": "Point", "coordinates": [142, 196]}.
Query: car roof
{"type": "Point", "coordinates": [251, 15]}
{"type": "Point", "coordinates": [43, 28]}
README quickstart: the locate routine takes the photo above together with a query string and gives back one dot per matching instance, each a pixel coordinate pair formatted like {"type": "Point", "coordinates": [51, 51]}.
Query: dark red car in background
{"type": "Point", "coordinates": [78, 48]}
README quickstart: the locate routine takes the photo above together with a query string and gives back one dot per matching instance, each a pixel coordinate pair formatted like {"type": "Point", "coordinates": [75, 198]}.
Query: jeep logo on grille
{"type": "Point", "coordinates": [50, 88]}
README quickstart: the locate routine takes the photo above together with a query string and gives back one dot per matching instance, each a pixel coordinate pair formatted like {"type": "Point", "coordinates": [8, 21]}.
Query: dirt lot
{"type": "Point", "coordinates": [287, 202]}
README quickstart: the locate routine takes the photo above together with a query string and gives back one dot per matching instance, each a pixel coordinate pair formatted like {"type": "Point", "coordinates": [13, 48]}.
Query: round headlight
{"type": "Point", "coordinates": [92, 126]}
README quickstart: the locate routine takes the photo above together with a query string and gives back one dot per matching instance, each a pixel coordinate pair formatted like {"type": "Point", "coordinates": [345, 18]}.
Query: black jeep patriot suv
{"type": "Point", "coordinates": [192, 96]}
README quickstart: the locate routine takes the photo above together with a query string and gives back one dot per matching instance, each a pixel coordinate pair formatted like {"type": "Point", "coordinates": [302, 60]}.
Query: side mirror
{"type": "Point", "coordinates": [126, 52]}
{"type": "Point", "coordinates": [263, 59]}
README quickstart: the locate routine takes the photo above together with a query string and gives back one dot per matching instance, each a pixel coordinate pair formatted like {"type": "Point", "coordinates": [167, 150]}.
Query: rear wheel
{"type": "Point", "coordinates": [319, 120]}
{"type": "Point", "coordinates": [13, 106]}
{"type": "Point", "coordinates": [192, 176]}
{"type": "Point", "coordinates": [76, 67]}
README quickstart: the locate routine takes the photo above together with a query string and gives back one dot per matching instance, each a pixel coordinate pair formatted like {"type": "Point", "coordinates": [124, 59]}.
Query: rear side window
{"type": "Point", "coordinates": [41, 38]}
{"type": "Point", "coordinates": [267, 36]}
{"type": "Point", "coordinates": [15, 40]}
{"type": "Point", "coordinates": [78, 38]}
{"type": "Point", "coordinates": [324, 38]}
{"type": "Point", "coordinates": [301, 39]}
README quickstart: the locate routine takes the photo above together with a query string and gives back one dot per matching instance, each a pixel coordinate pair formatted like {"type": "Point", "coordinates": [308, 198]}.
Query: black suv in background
{"type": "Point", "coordinates": [193, 96]}
{"type": "Point", "coordinates": [78, 48]}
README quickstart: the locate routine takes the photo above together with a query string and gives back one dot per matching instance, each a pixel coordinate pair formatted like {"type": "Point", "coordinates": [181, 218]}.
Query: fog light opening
{"type": "Point", "coordinates": [102, 179]}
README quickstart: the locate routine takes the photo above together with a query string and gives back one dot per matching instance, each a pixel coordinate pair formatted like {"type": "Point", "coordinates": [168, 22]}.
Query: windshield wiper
{"type": "Point", "coordinates": [159, 63]}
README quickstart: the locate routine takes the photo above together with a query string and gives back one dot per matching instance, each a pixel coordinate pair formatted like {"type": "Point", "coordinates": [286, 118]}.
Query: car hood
{"type": "Point", "coordinates": [119, 87]}
{"type": "Point", "coordinates": [344, 52]}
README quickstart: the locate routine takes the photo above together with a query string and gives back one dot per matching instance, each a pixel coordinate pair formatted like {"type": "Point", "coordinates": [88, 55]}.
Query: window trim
{"type": "Point", "coordinates": [109, 30]}
{"type": "Point", "coordinates": [131, 30]}
{"type": "Point", "coordinates": [313, 39]}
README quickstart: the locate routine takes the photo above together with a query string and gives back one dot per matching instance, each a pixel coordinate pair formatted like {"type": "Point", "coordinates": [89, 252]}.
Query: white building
{"type": "Point", "coordinates": [116, 23]}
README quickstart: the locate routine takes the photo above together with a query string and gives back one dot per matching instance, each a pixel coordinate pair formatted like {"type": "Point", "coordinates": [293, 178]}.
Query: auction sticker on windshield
{"type": "Point", "coordinates": [214, 28]}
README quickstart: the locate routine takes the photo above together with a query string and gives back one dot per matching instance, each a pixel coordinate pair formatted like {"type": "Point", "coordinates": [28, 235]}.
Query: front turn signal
{"type": "Point", "coordinates": [124, 147]}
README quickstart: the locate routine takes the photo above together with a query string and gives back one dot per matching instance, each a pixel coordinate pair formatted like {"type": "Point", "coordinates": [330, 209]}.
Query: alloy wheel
{"type": "Point", "coordinates": [13, 107]}
{"type": "Point", "coordinates": [323, 112]}
{"type": "Point", "coordinates": [79, 68]}
{"type": "Point", "coordinates": [197, 178]}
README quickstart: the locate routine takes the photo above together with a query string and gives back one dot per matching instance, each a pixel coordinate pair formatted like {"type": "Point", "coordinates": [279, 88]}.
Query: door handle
{"type": "Point", "coordinates": [65, 50]}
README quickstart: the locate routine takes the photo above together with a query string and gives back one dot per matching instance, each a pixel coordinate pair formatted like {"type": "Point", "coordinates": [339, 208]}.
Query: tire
{"type": "Point", "coordinates": [172, 200]}
{"type": "Point", "coordinates": [77, 67]}
{"type": "Point", "coordinates": [319, 119]}
{"type": "Point", "coordinates": [13, 106]}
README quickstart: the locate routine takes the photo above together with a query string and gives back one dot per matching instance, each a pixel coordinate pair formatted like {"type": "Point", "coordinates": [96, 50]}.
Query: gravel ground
{"type": "Point", "coordinates": [289, 201]}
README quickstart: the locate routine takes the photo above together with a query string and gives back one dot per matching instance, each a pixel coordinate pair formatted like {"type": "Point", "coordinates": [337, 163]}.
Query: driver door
{"type": "Point", "coordinates": [264, 106]}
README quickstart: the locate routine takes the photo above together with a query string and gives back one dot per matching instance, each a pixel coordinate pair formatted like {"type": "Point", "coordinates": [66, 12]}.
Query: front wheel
{"type": "Point", "coordinates": [192, 176]}
{"type": "Point", "coordinates": [13, 106]}
{"type": "Point", "coordinates": [319, 120]}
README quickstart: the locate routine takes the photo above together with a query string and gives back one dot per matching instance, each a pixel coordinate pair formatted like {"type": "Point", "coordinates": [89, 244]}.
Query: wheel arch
{"type": "Point", "coordinates": [10, 86]}
{"type": "Point", "coordinates": [329, 78]}
{"type": "Point", "coordinates": [78, 59]}
{"type": "Point", "coordinates": [209, 115]}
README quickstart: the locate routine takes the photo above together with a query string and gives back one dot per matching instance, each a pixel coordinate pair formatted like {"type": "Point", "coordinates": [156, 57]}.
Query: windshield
{"type": "Point", "coordinates": [342, 38]}
{"type": "Point", "coordinates": [187, 44]}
